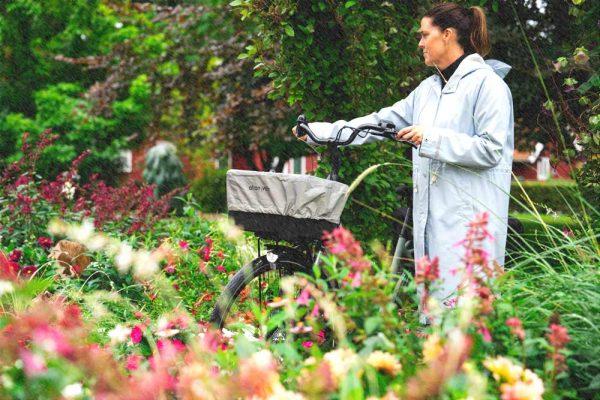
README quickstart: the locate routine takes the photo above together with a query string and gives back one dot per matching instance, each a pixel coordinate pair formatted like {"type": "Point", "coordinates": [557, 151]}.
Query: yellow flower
{"type": "Point", "coordinates": [530, 387]}
{"type": "Point", "coordinates": [503, 369]}
{"type": "Point", "coordinates": [384, 362]}
{"type": "Point", "coordinates": [432, 348]}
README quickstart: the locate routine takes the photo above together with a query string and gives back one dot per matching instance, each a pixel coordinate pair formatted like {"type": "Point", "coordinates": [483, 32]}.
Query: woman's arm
{"type": "Point", "coordinates": [494, 123]}
{"type": "Point", "coordinates": [401, 114]}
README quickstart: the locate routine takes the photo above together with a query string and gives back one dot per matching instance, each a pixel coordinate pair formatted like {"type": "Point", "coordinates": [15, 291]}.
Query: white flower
{"type": "Point", "coordinates": [72, 391]}
{"type": "Point", "coordinates": [124, 258]}
{"type": "Point", "coordinates": [341, 361]}
{"type": "Point", "coordinates": [6, 287]}
{"type": "Point", "coordinates": [83, 232]}
{"type": "Point", "coordinates": [118, 25]}
{"type": "Point", "coordinates": [144, 265]}
{"type": "Point", "coordinates": [68, 190]}
{"type": "Point", "coordinates": [119, 334]}
{"type": "Point", "coordinates": [96, 242]}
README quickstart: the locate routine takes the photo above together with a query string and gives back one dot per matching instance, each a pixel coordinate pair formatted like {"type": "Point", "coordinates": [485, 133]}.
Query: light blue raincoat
{"type": "Point", "coordinates": [463, 166]}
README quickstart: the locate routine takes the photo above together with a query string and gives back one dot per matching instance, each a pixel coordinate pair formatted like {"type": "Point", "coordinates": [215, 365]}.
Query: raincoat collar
{"type": "Point", "coordinates": [474, 62]}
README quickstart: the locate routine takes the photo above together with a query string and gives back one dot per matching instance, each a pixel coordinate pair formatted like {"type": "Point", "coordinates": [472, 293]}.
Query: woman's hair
{"type": "Point", "coordinates": [470, 25]}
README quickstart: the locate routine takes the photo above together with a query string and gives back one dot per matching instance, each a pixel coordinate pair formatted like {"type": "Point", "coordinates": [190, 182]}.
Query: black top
{"type": "Point", "coordinates": [450, 69]}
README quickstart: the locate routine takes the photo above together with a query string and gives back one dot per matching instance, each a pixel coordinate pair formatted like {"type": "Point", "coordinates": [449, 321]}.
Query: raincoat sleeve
{"type": "Point", "coordinates": [493, 121]}
{"type": "Point", "coordinates": [400, 114]}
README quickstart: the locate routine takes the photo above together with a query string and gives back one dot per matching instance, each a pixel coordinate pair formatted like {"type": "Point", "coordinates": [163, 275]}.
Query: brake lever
{"type": "Point", "coordinates": [392, 135]}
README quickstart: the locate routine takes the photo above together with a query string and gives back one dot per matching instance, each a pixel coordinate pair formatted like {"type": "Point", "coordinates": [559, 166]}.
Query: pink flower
{"type": "Point", "coordinates": [136, 334]}
{"type": "Point", "coordinates": [307, 344]}
{"type": "Point", "coordinates": [303, 298]}
{"type": "Point", "coordinates": [321, 336]}
{"type": "Point", "coordinates": [52, 340]}
{"type": "Point", "coordinates": [220, 268]}
{"type": "Point", "coordinates": [485, 332]}
{"type": "Point", "coordinates": [33, 364]}
{"type": "Point", "coordinates": [516, 327]}
{"type": "Point", "coordinates": [133, 362]}
{"type": "Point", "coordinates": [315, 311]}
{"type": "Point", "coordinates": [356, 279]}
{"type": "Point", "coordinates": [44, 242]}
{"type": "Point", "coordinates": [183, 245]}
{"type": "Point", "coordinates": [178, 345]}
{"type": "Point", "coordinates": [427, 271]}
{"type": "Point", "coordinates": [170, 268]}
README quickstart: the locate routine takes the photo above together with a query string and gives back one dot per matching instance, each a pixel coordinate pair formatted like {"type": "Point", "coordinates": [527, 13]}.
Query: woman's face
{"type": "Point", "coordinates": [433, 42]}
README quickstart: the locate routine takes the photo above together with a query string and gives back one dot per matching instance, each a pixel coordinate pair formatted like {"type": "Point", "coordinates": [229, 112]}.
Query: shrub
{"type": "Point", "coordinates": [559, 196]}
{"type": "Point", "coordinates": [210, 191]}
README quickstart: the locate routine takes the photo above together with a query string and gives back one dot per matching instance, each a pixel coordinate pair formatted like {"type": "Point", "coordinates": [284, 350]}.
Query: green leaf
{"type": "Point", "coordinates": [289, 30]}
{"type": "Point", "coordinates": [350, 3]}
{"type": "Point", "coordinates": [371, 324]}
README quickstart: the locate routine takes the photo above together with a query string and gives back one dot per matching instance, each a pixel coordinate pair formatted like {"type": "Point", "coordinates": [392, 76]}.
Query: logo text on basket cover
{"type": "Point", "coordinates": [263, 188]}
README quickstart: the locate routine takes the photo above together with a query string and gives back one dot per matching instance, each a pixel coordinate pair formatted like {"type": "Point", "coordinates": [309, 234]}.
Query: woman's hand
{"type": "Point", "coordinates": [303, 138]}
{"type": "Point", "coordinates": [413, 134]}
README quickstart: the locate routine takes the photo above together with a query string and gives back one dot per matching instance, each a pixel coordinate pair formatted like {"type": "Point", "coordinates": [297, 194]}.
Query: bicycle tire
{"type": "Point", "coordinates": [289, 261]}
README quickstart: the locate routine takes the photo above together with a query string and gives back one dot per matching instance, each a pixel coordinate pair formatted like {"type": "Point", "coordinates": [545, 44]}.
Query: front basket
{"type": "Point", "coordinates": [284, 206]}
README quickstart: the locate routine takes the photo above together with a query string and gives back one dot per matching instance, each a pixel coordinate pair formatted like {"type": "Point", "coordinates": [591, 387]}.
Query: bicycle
{"type": "Point", "coordinates": [298, 220]}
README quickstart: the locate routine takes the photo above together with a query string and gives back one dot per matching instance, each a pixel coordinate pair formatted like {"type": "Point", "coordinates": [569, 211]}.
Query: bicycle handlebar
{"type": "Point", "coordinates": [384, 129]}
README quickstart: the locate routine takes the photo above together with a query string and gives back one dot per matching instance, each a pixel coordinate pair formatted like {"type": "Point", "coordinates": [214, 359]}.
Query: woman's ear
{"type": "Point", "coordinates": [449, 34]}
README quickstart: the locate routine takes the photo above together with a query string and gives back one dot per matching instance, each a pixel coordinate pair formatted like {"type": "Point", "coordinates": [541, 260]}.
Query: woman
{"type": "Point", "coordinates": [461, 118]}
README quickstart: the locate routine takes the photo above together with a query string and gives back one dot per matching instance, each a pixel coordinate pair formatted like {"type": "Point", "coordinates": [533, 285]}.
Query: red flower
{"type": "Point", "coordinates": [183, 245]}
{"type": "Point", "coordinates": [205, 253]}
{"type": "Point", "coordinates": [15, 255]}
{"type": "Point", "coordinates": [558, 336]}
{"type": "Point", "coordinates": [28, 270]}
{"type": "Point", "coordinates": [307, 345]}
{"type": "Point", "coordinates": [8, 269]}
{"type": "Point", "coordinates": [136, 334]}
{"type": "Point", "coordinates": [45, 242]}
{"type": "Point", "coordinates": [220, 268]}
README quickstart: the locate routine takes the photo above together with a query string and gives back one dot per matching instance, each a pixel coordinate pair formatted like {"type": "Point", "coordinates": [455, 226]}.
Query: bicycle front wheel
{"type": "Point", "coordinates": [258, 281]}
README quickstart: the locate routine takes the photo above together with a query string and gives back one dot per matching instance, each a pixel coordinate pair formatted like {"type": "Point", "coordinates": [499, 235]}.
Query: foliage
{"type": "Point", "coordinates": [209, 191]}
{"type": "Point", "coordinates": [370, 206]}
{"type": "Point", "coordinates": [30, 201]}
{"type": "Point", "coordinates": [60, 108]}
{"type": "Point", "coordinates": [142, 338]}
{"type": "Point", "coordinates": [553, 196]}
{"type": "Point", "coordinates": [54, 28]}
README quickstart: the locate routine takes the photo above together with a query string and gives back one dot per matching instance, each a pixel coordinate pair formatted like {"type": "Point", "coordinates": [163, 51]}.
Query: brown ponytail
{"type": "Point", "coordinates": [470, 25]}
{"type": "Point", "coordinates": [479, 37]}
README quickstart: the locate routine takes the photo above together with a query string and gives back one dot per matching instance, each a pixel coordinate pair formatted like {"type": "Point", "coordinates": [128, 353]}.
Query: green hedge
{"type": "Point", "coordinates": [553, 195]}
{"type": "Point", "coordinates": [210, 191]}
{"type": "Point", "coordinates": [531, 224]}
